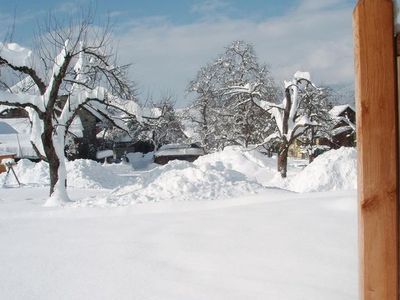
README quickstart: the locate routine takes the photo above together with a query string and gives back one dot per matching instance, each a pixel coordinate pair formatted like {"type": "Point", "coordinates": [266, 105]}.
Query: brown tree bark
{"type": "Point", "coordinates": [282, 159]}
{"type": "Point", "coordinates": [50, 151]}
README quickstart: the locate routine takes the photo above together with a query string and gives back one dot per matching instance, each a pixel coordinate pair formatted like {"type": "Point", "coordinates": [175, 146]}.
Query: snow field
{"type": "Point", "coordinates": [255, 242]}
{"type": "Point", "coordinates": [274, 245]}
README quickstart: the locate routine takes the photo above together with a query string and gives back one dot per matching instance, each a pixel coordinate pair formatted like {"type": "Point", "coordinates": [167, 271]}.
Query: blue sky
{"type": "Point", "coordinates": [168, 41]}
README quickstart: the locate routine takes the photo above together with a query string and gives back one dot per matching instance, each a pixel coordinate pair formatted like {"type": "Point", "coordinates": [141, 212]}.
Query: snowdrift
{"type": "Point", "coordinates": [251, 163]}
{"type": "Point", "coordinates": [181, 180]}
{"type": "Point", "coordinates": [333, 170]}
{"type": "Point", "coordinates": [225, 174]}
{"type": "Point", "coordinates": [81, 174]}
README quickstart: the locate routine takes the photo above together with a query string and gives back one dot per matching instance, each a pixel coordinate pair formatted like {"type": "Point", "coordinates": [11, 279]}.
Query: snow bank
{"type": "Point", "coordinates": [333, 170]}
{"type": "Point", "coordinates": [181, 180]}
{"type": "Point", "coordinates": [29, 173]}
{"type": "Point", "coordinates": [251, 163]}
{"type": "Point", "coordinates": [226, 174]}
{"type": "Point", "coordinates": [84, 173]}
{"type": "Point", "coordinates": [81, 174]}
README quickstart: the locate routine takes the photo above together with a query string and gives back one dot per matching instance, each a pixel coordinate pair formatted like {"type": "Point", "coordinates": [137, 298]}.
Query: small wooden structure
{"type": "Point", "coordinates": [5, 155]}
{"type": "Point", "coordinates": [377, 143]}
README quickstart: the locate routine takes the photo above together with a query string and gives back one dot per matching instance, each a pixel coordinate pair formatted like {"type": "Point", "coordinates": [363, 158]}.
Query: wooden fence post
{"type": "Point", "coordinates": [377, 143]}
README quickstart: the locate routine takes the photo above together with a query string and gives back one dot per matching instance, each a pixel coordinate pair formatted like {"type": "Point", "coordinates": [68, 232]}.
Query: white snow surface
{"type": "Point", "coordinates": [232, 172]}
{"type": "Point", "coordinates": [338, 109]}
{"type": "Point", "coordinates": [275, 245]}
{"type": "Point", "coordinates": [9, 142]}
{"type": "Point", "coordinates": [252, 242]}
{"type": "Point", "coordinates": [333, 170]}
{"type": "Point", "coordinates": [81, 174]}
{"type": "Point", "coordinates": [181, 180]}
{"type": "Point", "coordinates": [302, 75]}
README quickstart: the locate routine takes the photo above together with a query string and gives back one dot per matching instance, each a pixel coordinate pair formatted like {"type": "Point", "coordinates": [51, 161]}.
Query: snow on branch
{"type": "Point", "coordinates": [22, 100]}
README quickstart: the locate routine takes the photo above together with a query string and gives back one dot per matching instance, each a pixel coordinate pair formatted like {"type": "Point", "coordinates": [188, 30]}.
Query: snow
{"type": "Point", "coordinates": [339, 109]}
{"type": "Point", "coordinates": [178, 149]}
{"type": "Point", "coordinates": [9, 142]}
{"type": "Point", "coordinates": [81, 174]}
{"type": "Point", "coordinates": [302, 75]}
{"type": "Point", "coordinates": [181, 180]}
{"type": "Point", "coordinates": [7, 161]}
{"type": "Point", "coordinates": [233, 171]}
{"type": "Point", "coordinates": [252, 241]}
{"type": "Point", "coordinates": [332, 170]}
{"type": "Point", "coordinates": [104, 153]}
{"type": "Point", "coordinates": [15, 54]}
{"type": "Point", "coordinates": [273, 245]}
{"type": "Point", "coordinates": [6, 153]}
{"type": "Point", "coordinates": [7, 129]}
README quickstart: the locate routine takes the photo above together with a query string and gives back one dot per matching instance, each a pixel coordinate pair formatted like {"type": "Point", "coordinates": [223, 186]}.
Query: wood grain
{"type": "Point", "coordinates": [377, 138]}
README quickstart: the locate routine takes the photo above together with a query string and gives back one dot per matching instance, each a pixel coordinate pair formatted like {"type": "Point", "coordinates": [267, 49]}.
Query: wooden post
{"type": "Point", "coordinates": [377, 143]}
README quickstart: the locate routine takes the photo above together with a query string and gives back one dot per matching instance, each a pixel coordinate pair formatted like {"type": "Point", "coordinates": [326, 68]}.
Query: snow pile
{"type": "Point", "coordinates": [181, 180]}
{"type": "Point", "coordinates": [28, 172]}
{"type": "Point", "coordinates": [225, 174]}
{"type": "Point", "coordinates": [85, 173]}
{"type": "Point", "coordinates": [82, 173]}
{"type": "Point", "coordinates": [251, 163]}
{"type": "Point", "coordinates": [333, 170]}
{"type": "Point", "coordinates": [140, 161]}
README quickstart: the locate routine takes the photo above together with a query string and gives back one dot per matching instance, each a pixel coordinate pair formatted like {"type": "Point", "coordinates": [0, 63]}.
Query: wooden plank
{"type": "Point", "coordinates": [376, 97]}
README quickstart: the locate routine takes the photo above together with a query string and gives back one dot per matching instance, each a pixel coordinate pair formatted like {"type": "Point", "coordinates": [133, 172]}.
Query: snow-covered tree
{"type": "Point", "coordinates": [166, 128]}
{"type": "Point", "coordinates": [293, 116]}
{"type": "Point", "coordinates": [77, 61]}
{"type": "Point", "coordinates": [204, 112]}
{"type": "Point", "coordinates": [317, 104]}
{"type": "Point", "coordinates": [226, 118]}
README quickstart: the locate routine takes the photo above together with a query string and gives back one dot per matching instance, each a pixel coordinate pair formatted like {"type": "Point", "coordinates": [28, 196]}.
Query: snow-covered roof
{"type": "Point", "coordinates": [104, 153]}
{"type": "Point", "coordinates": [174, 146]}
{"type": "Point", "coordinates": [338, 109]}
{"type": "Point", "coordinates": [7, 128]}
{"type": "Point", "coordinates": [178, 150]}
{"type": "Point", "coordinates": [4, 153]}
{"type": "Point", "coordinates": [9, 141]}
{"type": "Point", "coordinates": [15, 54]}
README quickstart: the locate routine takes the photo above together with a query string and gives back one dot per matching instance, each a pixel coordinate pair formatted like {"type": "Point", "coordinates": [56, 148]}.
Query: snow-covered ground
{"type": "Point", "coordinates": [224, 227]}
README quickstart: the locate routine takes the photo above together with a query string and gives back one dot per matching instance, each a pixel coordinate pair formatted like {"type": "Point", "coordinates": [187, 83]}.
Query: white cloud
{"type": "Point", "coordinates": [166, 56]}
{"type": "Point", "coordinates": [209, 6]}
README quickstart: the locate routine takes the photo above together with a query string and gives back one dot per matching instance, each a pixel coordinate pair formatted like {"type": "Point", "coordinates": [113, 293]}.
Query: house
{"type": "Point", "coordinates": [342, 134]}
{"type": "Point", "coordinates": [170, 152]}
{"type": "Point", "coordinates": [344, 129]}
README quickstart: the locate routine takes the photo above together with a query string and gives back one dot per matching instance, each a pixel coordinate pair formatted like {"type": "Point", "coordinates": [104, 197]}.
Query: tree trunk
{"type": "Point", "coordinates": [282, 160]}
{"type": "Point", "coordinates": [53, 145]}
{"type": "Point", "coordinates": [50, 153]}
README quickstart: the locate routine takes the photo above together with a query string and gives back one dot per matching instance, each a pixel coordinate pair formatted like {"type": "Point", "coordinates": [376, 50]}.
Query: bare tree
{"type": "Point", "coordinates": [75, 60]}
